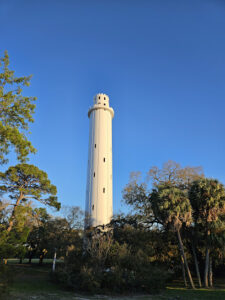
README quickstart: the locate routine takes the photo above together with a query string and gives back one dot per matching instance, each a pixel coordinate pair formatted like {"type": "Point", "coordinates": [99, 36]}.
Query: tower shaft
{"type": "Point", "coordinates": [99, 194]}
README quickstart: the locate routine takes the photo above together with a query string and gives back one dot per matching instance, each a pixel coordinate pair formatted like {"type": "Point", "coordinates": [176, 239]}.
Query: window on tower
{"type": "Point", "coordinates": [95, 145]}
{"type": "Point", "coordinates": [103, 190]}
{"type": "Point", "coordinates": [93, 207]}
{"type": "Point", "coordinates": [104, 159]}
{"type": "Point", "coordinates": [94, 174]}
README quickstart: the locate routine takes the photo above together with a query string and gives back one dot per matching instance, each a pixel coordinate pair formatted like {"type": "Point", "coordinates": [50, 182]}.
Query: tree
{"type": "Point", "coordinates": [207, 197]}
{"type": "Point", "coordinates": [56, 237]}
{"type": "Point", "coordinates": [22, 226]}
{"type": "Point", "coordinates": [137, 194]}
{"type": "Point", "coordinates": [74, 216]}
{"type": "Point", "coordinates": [98, 247]}
{"type": "Point", "coordinates": [23, 182]}
{"type": "Point", "coordinates": [172, 207]}
{"type": "Point", "coordinates": [158, 244]}
{"type": "Point", "coordinates": [16, 113]}
{"type": "Point", "coordinates": [38, 233]}
{"type": "Point", "coordinates": [14, 243]}
{"type": "Point", "coordinates": [172, 173]}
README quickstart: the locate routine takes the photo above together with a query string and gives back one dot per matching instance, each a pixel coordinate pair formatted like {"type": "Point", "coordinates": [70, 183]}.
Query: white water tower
{"type": "Point", "coordinates": [99, 194]}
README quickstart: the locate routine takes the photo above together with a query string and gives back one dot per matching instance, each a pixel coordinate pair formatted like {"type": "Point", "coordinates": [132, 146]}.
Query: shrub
{"type": "Point", "coordinates": [5, 280]}
{"type": "Point", "coordinates": [123, 271]}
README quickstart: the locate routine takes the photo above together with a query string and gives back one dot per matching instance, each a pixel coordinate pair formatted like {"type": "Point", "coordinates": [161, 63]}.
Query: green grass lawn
{"type": "Point", "coordinates": [33, 282]}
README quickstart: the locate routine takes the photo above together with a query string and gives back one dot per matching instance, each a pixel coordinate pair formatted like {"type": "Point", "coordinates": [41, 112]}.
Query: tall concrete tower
{"type": "Point", "coordinates": [99, 198]}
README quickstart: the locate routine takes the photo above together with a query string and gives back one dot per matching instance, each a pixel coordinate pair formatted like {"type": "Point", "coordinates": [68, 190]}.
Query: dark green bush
{"type": "Point", "coordinates": [123, 271]}
{"type": "Point", "coordinates": [5, 279]}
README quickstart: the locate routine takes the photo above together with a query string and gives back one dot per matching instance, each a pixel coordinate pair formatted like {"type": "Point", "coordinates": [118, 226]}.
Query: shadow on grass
{"type": "Point", "coordinates": [34, 282]}
{"type": "Point", "coordinates": [204, 294]}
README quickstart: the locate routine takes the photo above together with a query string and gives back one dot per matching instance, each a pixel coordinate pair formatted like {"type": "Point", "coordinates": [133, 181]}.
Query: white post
{"type": "Point", "coordinates": [54, 262]}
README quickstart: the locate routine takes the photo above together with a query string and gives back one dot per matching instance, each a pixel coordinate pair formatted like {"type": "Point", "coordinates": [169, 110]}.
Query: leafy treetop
{"type": "Point", "coordinates": [171, 206]}
{"type": "Point", "coordinates": [28, 181]}
{"type": "Point", "coordinates": [207, 198]}
{"type": "Point", "coordinates": [16, 112]}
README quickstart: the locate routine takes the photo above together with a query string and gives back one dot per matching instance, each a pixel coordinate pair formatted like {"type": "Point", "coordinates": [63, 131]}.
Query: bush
{"type": "Point", "coordinates": [5, 280]}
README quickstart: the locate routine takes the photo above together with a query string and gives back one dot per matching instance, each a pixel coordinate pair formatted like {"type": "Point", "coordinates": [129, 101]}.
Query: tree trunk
{"type": "Point", "coordinates": [41, 259]}
{"type": "Point", "coordinates": [210, 272]}
{"type": "Point", "coordinates": [196, 265]}
{"type": "Point", "coordinates": [206, 267]}
{"type": "Point", "coordinates": [13, 212]}
{"type": "Point", "coordinates": [185, 260]}
{"type": "Point", "coordinates": [21, 260]}
{"type": "Point", "coordinates": [30, 258]}
{"type": "Point", "coordinates": [183, 271]}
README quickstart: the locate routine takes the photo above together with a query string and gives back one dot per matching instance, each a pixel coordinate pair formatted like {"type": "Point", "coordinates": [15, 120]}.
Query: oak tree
{"type": "Point", "coordinates": [174, 174]}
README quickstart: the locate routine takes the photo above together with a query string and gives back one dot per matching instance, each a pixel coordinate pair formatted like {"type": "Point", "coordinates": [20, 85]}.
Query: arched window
{"type": "Point", "coordinates": [104, 159]}
{"type": "Point", "coordinates": [103, 190]}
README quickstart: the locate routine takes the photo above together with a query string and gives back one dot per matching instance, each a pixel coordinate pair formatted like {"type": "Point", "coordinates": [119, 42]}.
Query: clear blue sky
{"type": "Point", "coordinates": [161, 62]}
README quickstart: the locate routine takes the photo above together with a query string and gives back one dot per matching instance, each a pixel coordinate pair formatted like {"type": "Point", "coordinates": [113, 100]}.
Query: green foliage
{"type": "Point", "coordinates": [137, 194]}
{"type": "Point", "coordinates": [132, 270]}
{"type": "Point", "coordinates": [207, 198]}
{"type": "Point", "coordinates": [29, 182]}
{"type": "Point", "coordinates": [111, 266]}
{"type": "Point", "coordinates": [6, 277]}
{"type": "Point", "coordinates": [12, 244]}
{"type": "Point", "coordinates": [52, 234]}
{"type": "Point", "coordinates": [171, 206]}
{"type": "Point", "coordinates": [16, 113]}
{"type": "Point", "coordinates": [160, 245]}
{"type": "Point", "coordinates": [182, 200]}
